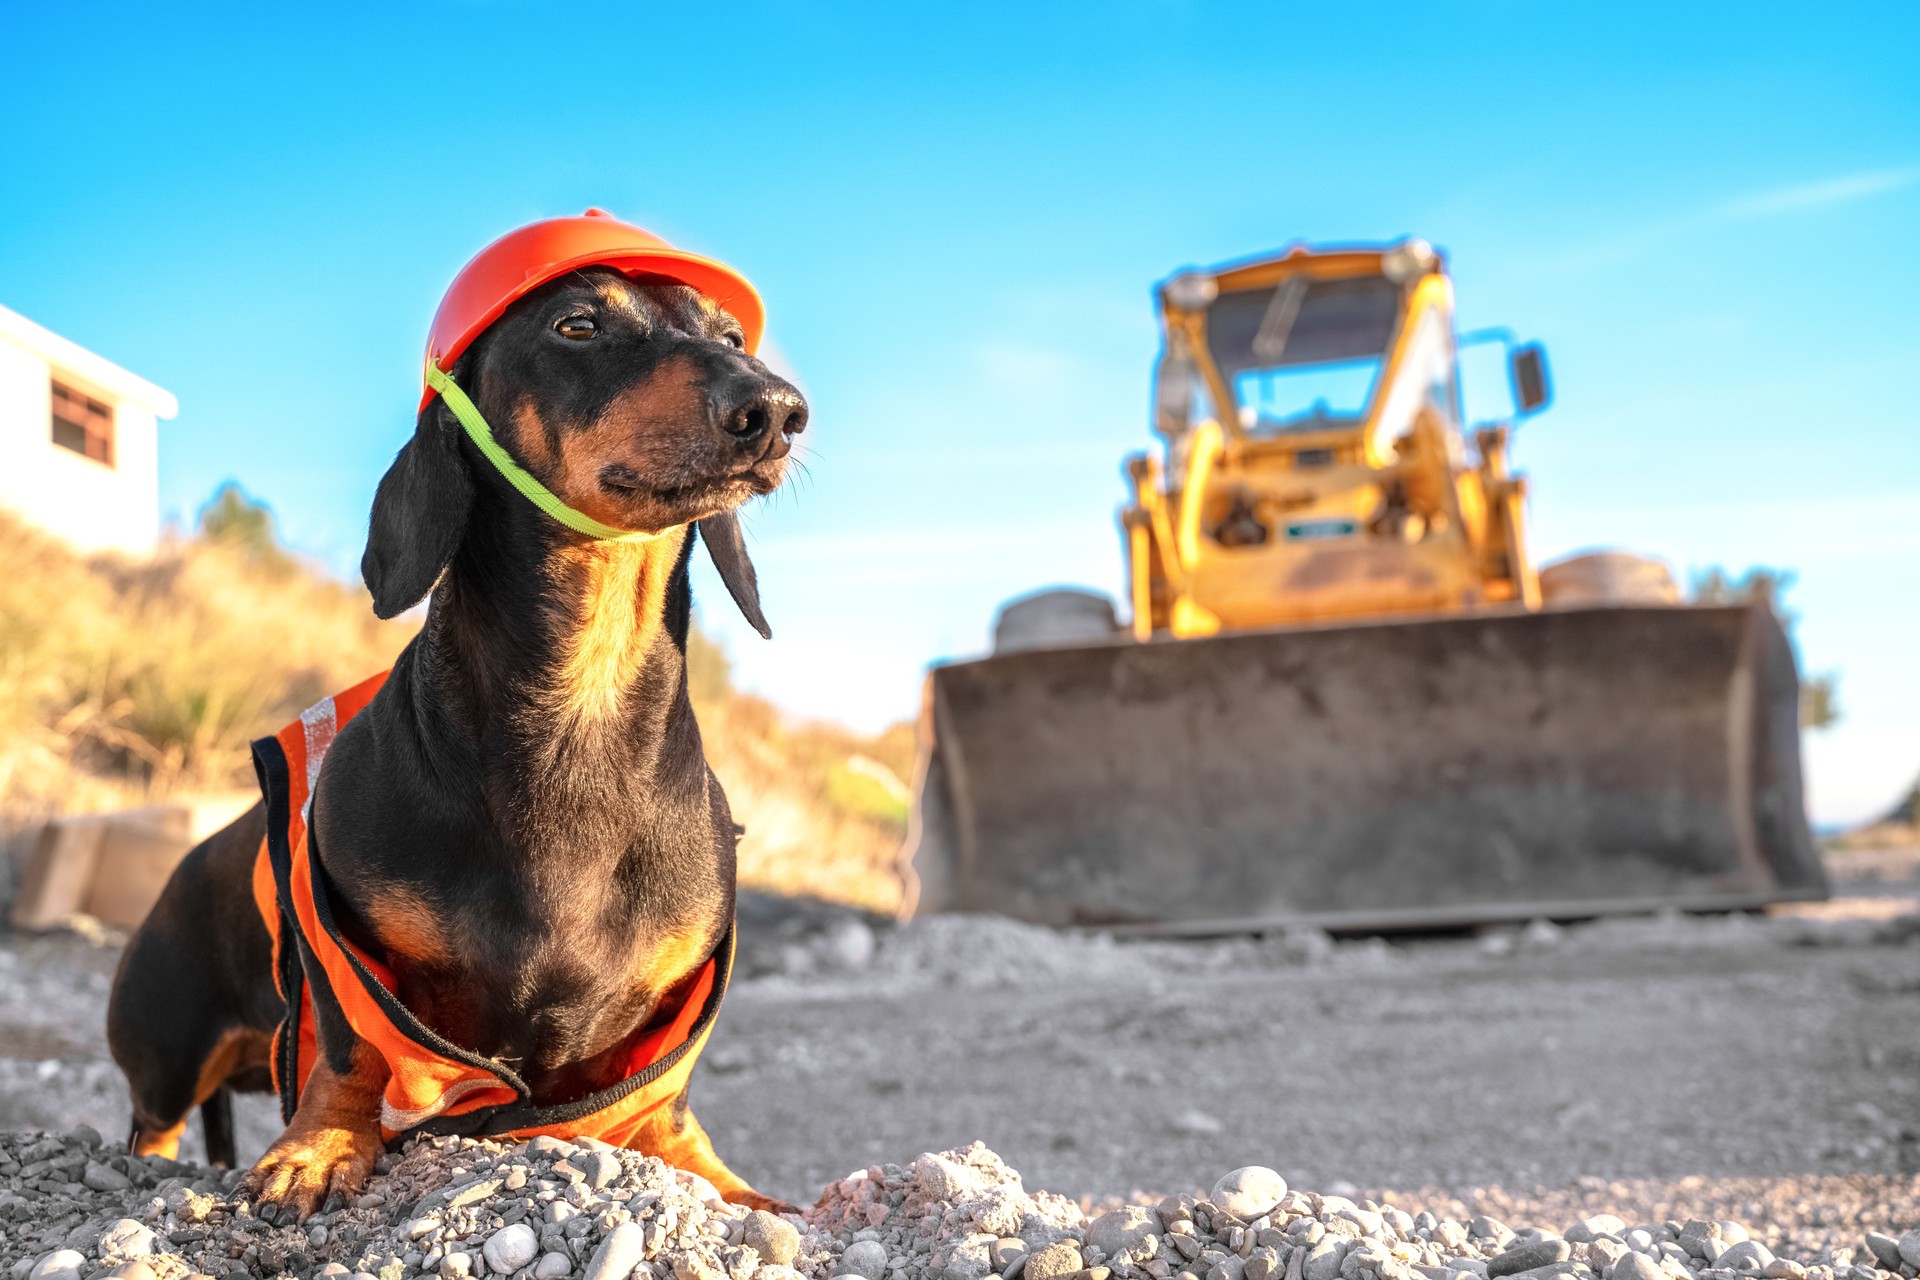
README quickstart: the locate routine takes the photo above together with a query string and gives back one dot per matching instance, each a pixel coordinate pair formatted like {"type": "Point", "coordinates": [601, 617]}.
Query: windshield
{"type": "Point", "coordinates": [1304, 355]}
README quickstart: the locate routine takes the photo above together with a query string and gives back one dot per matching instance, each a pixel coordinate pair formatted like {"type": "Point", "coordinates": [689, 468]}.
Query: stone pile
{"type": "Point", "coordinates": [73, 1207]}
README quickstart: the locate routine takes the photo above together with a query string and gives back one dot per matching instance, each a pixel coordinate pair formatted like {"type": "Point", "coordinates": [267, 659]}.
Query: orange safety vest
{"type": "Point", "coordinates": [433, 1086]}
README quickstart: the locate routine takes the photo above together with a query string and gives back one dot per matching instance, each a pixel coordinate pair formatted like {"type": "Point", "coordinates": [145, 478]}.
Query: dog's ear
{"type": "Point", "coordinates": [721, 533]}
{"type": "Point", "coordinates": [419, 514]}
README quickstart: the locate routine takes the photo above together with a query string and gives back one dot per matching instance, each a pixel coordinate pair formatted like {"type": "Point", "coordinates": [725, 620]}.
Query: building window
{"type": "Point", "coordinates": [82, 424]}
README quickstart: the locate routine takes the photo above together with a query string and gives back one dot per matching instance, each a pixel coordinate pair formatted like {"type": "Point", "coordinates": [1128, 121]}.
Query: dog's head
{"type": "Point", "coordinates": [632, 399]}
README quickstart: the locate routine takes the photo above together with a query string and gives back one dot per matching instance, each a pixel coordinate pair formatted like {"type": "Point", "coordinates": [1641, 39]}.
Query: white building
{"type": "Point", "coordinates": [79, 441]}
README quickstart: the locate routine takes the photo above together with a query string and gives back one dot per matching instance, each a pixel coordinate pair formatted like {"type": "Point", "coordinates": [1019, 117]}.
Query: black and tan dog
{"type": "Point", "coordinates": [520, 827]}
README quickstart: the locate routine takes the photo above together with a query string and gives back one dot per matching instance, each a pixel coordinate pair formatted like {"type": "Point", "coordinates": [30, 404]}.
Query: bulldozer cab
{"type": "Point", "coordinates": [1316, 465]}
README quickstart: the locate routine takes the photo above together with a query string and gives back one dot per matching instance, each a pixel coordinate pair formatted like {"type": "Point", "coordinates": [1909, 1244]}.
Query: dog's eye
{"type": "Point", "coordinates": [735, 340]}
{"type": "Point", "coordinates": [579, 328]}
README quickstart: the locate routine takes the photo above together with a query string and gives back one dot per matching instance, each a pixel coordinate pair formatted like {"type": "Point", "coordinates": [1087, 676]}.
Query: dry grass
{"type": "Point", "coordinates": [125, 681]}
{"type": "Point", "coordinates": [128, 682]}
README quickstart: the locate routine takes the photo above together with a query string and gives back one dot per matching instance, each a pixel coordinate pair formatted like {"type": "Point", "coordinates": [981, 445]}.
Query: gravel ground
{"type": "Point", "coordinates": [1759, 1071]}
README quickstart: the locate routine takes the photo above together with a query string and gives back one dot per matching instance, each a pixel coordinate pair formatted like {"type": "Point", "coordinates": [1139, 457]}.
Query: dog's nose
{"type": "Point", "coordinates": [765, 406]}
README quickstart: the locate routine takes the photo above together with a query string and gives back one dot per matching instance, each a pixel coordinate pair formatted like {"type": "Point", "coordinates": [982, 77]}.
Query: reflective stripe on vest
{"type": "Point", "coordinates": [433, 1086]}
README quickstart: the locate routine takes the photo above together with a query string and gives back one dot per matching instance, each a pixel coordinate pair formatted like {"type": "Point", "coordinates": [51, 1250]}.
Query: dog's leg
{"type": "Point", "coordinates": [161, 1104]}
{"type": "Point", "coordinates": [329, 1149]}
{"type": "Point", "coordinates": [673, 1134]}
{"type": "Point", "coordinates": [216, 1126]}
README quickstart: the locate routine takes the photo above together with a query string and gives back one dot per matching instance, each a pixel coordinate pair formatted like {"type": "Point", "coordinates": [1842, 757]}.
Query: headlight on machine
{"type": "Point", "coordinates": [1410, 258]}
{"type": "Point", "coordinates": [1191, 290]}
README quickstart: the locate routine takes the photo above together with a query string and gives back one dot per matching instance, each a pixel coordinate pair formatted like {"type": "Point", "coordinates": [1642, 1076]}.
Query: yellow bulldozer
{"type": "Point", "coordinates": [1345, 695]}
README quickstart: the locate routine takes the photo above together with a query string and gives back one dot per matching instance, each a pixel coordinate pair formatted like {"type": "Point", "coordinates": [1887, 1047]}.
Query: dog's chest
{"type": "Point", "coordinates": [560, 999]}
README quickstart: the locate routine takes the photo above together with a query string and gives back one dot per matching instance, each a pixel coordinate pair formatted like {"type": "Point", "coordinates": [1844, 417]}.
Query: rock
{"type": "Point", "coordinates": [1601, 1224]}
{"type": "Point", "coordinates": [83, 1134]}
{"type": "Point", "coordinates": [1885, 1249]}
{"type": "Point", "coordinates": [1370, 1223]}
{"type": "Point", "coordinates": [1637, 1266]}
{"type": "Point", "coordinates": [1910, 1248]}
{"type": "Point", "coordinates": [944, 1179]}
{"type": "Point", "coordinates": [61, 1264]}
{"type": "Point", "coordinates": [1485, 1228]}
{"type": "Point", "coordinates": [1249, 1192]}
{"type": "Point", "coordinates": [1006, 1251]}
{"type": "Point", "coordinates": [1263, 1264]}
{"type": "Point", "coordinates": [617, 1255]}
{"type": "Point", "coordinates": [1529, 1256]}
{"type": "Point", "coordinates": [866, 1258]}
{"type": "Point", "coordinates": [552, 1266]}
{"type": "Point", "coordinates": [1744, 1255]}
{"type": "Point", "coordinates": [1061, 1258]}
{"type": "Point", "coordinates": [456, 1264]}
{"type": "Point", "coordinates": [1695, 1234]}
{"type": "Point", "coordinates": [104, 1177]}
{"type": "Point", "coordinates": [137, 1269]}
{"type": "Point", "coordinates": [1783, 1269]}
{"type": "Point", "coordinates": [1228, 1268]}
{"type": "Point", "coordinates": [1606, 1251]}
{"type": "Point", "coordinates": [510, 1248]}
{"type": "Point", "coordinates": [772, 1237]}
{"type": "Point", "coordinates": [1323, 1261]}
{"type": "Point", "coordinates": [1124, 1230]}
{"type": "Point", "coordinates": [601, 1167]}
{"type": "Point", "coordinates": [126, 1239]}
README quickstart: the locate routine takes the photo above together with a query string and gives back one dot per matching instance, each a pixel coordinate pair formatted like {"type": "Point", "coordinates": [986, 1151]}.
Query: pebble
{"type": "Point", "coordinates": [1695, 1235]}
{"type": "Point", "coordinates": [127, 1239]}
{"type": "Point", "coordinates": [1885, 1249]}
{"type": "Point", "coordinates": [1126, 1229]}
{"type": "Point", "coordinates": [61, 1264]}
{"type": "Point", "coordinates": [1008, 1250]}
{"type": "Point", "coordinates": [1529, 1257]}
{"type": "Point", "coordinates": [1583, 1231]}
{"type": "Point", "coordinates": [601, 1167]}
{"type": "Point", "coordinates": [772, 1237]}
{"type": "Point", "coordinates": [552, 1266]}
{"type": "Point", "coordinates": [1745, 1255]}
{"type": "Point", "coordinates": [104, 1177]}
{"type": "Point", "coordinates": [1323, 1260]}
{"type": "Point", "coordinates": [866, 1258]}
{"type": "Point", "coordinates": [510, 1248]}
{"type": "Point", "coordinates": [619, 1253]}
{"type": "Point", "coordinates": [1250, 1192]}
{"type": "Point", "coordinates": [1910, 1248]}
{"type": "Point", "coordinates": [1062, 1258]}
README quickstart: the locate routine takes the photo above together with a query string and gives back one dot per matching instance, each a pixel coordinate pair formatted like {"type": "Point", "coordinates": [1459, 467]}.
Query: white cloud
{"type": "Point", "coordinates": [1817, 195]}
{"type": "Point", "coordinates": [1622, 247]}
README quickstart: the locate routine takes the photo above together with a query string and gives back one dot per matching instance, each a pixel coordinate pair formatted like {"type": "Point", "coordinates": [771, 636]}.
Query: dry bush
{"type": "Point", "coordinates": [124, 682]}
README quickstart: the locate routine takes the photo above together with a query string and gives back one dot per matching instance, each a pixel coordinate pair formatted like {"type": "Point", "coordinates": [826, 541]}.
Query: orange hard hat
{"type": "Point", "coordinates": [523, 260]}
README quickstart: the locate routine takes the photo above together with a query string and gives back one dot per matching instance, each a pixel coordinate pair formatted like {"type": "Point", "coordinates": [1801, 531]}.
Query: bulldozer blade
{"type": "Point", "coordinates": [1414, 774]}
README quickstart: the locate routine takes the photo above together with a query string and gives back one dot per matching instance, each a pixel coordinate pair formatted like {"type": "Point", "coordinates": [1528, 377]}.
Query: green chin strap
{"type": "Point", "coordinates": [538, 494]}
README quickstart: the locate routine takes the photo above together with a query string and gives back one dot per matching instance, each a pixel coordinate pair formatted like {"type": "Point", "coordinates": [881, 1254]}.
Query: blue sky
{"type": "Point", "coordinates": [1707, 212]}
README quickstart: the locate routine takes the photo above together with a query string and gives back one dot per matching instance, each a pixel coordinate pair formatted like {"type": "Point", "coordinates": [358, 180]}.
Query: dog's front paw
{"type": "Point", "coordinates": [302, 1171]}
{"type": "Point", "coordinates": [754, 1200]}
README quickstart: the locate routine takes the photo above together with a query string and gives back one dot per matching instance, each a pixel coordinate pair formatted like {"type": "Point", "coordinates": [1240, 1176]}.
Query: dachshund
{"type": "Point", "coordinates": [519, 832]}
